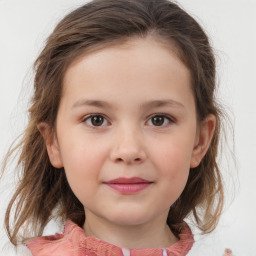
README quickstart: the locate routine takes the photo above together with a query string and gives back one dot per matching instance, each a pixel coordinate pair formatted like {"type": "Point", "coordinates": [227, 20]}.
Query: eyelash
{"type": "Point", "coordinates": [167, 118]}
{"type": "Point", "coordinates": [89, 117]}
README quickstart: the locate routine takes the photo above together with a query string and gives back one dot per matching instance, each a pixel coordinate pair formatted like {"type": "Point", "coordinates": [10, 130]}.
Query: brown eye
{"type": "Point", "coordinates": [158, 120]}
{"type": "Point", "coordinates": [96, 120]}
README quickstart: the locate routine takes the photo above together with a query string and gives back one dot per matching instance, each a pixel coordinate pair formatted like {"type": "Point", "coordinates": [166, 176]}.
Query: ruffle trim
{"type": "Point", "coordinates": [73, 242]}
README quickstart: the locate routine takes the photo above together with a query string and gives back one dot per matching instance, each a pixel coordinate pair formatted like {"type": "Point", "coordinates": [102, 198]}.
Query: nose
{"type": "Point", "coordinates": [128, 148]}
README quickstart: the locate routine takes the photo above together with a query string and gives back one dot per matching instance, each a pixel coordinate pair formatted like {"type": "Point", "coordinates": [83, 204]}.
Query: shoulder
{"type": "Point", "coordinates": [61, 243]}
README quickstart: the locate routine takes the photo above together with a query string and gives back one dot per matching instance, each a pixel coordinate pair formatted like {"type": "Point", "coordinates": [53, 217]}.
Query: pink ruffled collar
{"type": "Point", "coordinates": [73, 242]}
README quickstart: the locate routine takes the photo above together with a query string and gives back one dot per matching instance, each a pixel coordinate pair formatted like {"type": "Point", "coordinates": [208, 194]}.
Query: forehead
{"type": "Point", "coordinates": [144, 66]}
{"type": "Point", "coordinates": [117, 46]}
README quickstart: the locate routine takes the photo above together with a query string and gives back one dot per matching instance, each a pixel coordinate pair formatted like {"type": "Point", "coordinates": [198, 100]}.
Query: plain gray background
{"type": "Point", "coordinates": [231, 24]}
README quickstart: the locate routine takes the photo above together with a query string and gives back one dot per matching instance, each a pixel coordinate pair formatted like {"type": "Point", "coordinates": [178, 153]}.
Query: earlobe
{"type": "Point", "coordinates": [51, 143]}
{"type": "Point", "coordinates": [204, 138]}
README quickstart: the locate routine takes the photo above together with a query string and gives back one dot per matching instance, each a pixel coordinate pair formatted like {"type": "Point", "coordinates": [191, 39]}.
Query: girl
{"type": "Point", "coordinates": [123, 135]}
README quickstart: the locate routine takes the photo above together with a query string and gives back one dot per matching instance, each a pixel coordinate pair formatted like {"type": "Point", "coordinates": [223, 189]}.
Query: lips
{"type": "Point", "coordinates": [128, 185]}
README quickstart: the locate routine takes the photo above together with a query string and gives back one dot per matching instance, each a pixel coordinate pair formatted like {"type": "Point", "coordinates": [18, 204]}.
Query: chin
{"type": "Point", "coordinates": [129, 218]}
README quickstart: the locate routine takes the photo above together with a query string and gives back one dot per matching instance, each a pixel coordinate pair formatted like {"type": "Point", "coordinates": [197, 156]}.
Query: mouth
{"type": "Point", "coordinates": [128, 185]}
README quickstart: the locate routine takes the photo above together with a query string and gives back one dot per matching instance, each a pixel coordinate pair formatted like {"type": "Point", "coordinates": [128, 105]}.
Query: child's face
{"type": "Point", "coordinates": [143, 125]}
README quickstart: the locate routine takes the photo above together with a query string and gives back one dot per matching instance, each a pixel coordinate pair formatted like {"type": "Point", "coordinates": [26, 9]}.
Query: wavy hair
{"type": "Point", "coordinates": [43, 192]}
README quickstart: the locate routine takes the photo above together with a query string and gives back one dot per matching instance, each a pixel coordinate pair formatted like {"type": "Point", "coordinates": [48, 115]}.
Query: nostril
{"type": "Point", "coordinates": [129, 156]}
{"type": "Point", "coordinates": [135, 160]}
{"type": "Point", "coordinates": [119, 160]}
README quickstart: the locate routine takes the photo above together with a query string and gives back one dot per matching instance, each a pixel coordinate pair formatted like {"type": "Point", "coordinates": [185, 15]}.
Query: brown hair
{"type": "Point", "coordinates": [43, 192]}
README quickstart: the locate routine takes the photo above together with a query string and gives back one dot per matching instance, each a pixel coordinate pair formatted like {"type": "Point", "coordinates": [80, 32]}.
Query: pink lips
{"type": "Point", "coordinates": [128, 185]}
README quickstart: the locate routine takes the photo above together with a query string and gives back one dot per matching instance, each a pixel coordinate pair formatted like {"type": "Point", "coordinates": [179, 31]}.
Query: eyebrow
{"type": "Point", "coordinates": [162, 103]}
{"type": "Point", "coordinates": [94, 103]}
{"type": "Point", "coordinates": [104, 104]}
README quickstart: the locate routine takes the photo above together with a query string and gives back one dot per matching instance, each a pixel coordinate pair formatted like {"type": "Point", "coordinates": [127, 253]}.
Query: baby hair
{"type": "Point", "coordinates": [43, 192]}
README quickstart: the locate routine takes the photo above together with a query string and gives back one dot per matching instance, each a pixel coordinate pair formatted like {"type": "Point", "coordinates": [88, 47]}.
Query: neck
{"type": "Point", "coordinates": [147, 235]}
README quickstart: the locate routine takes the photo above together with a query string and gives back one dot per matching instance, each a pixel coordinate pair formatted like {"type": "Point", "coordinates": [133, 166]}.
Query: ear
{"type": "Point", "coordinates": [203, 140]}
{"type": "Point", "coordinates": [51, 143]}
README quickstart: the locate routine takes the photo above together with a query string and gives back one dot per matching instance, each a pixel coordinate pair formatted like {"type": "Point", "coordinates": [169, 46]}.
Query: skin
{"type": "Point", "coordinates": [127, 79]}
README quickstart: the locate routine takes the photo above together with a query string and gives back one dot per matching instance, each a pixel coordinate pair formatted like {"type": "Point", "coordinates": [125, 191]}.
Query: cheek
{"type": "Point", "coordinates": [82, 156]}
{"type": "Point", "coordinates": [82, 164]}
{"type": "Point", "coordinates": [173, 164]}
{"type": "Point", "coordinates": [173, 158]}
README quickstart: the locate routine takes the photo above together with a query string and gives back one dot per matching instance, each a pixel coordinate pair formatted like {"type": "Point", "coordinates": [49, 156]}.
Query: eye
{"type": "Point", "coordinates": [160, 120]}
{"type": "Point", "coordinates": [95, 120]}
